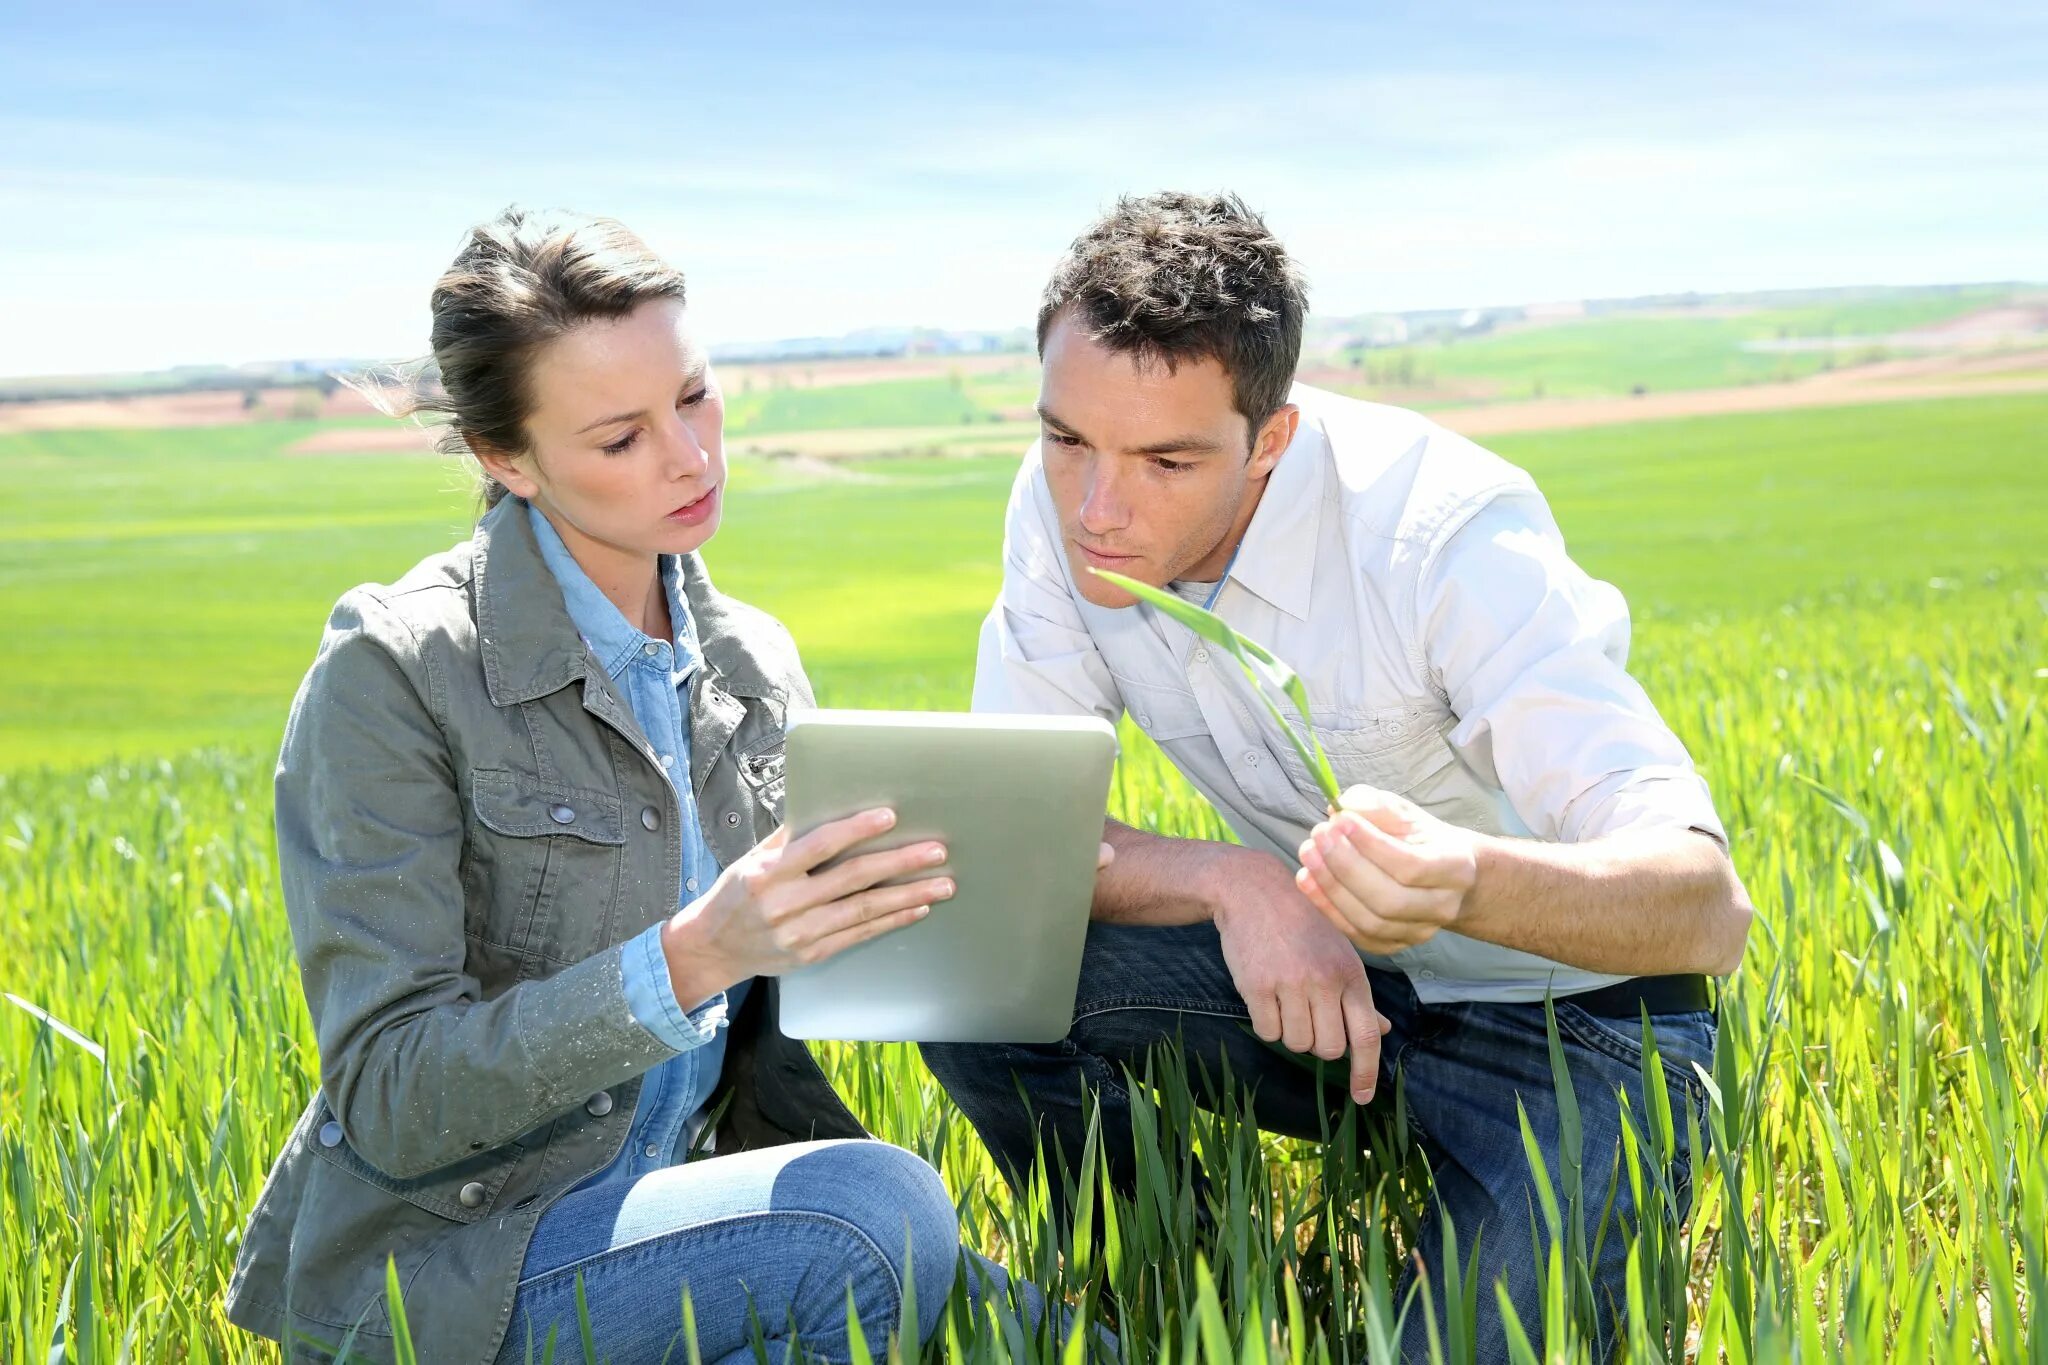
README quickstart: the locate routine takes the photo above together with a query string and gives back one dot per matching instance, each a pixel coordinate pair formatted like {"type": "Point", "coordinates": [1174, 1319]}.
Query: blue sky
{"type": "Point", "coordinates": [226, 183]}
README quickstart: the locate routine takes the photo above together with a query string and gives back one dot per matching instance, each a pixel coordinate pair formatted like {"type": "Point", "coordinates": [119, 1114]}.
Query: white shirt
{"type": "Point", "coordinates": [1451, 650]}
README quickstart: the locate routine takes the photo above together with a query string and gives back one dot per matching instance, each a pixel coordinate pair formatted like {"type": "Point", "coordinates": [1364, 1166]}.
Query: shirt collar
{"type": "Point", "coordinates": [612, 638]}
{"type": "Point", "coordinates": [1277, 558]}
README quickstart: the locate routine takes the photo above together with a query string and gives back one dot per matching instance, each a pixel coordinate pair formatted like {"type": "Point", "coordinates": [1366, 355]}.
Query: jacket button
{"type": "Point", "coordinates": [732, 817]}
{"type": "Point", "coordinates": [330, 1134]}
{"type": "Point", "coordinates": [651, 818]}
{"type": "Point", "coordinates": [599, 1104]}
{"type": "Point", "coordinates": [472, 1194]}
{"type": "Point", "coordinates": [562, 815]}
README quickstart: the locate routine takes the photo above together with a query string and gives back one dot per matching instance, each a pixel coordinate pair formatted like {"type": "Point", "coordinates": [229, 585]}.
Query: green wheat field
{"type": "Point", "coordinates": [1844, 612]}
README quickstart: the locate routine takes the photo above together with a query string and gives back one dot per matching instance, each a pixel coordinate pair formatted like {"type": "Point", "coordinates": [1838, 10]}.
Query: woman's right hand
{"type": "Point", "coordinates": [774, 910]}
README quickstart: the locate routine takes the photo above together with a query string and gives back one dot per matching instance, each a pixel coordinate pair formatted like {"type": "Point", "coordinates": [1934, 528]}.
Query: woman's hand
{"type": "Point", "coordinates": [774, 910]}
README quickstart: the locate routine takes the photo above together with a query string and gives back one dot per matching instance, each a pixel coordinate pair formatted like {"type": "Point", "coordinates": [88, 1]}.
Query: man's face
{"type": "Point", "coordinates": [1155, 474]}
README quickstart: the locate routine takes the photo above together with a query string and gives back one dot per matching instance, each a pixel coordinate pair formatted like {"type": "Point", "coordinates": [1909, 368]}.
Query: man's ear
{"type": "Point", "coordinates": [1275, 435]}
{"type": "Point", "coordinates": [506, 468]}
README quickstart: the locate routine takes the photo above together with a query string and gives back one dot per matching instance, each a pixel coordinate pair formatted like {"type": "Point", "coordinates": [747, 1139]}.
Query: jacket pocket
{"type": "Point", "coordinates": [543, 862]}
{"type": "Point", "coordinates": [461, 1193]}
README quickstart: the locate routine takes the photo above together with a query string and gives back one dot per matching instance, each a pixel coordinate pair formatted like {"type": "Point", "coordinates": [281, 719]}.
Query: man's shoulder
{"type": "Point", "coordinates": [1399, 475]}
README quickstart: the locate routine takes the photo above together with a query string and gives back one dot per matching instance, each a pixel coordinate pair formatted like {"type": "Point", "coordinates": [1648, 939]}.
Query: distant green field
{"type": "Point", "coordinates": [161, 590]}
{"type": "Point", "coordinates": [1614, 354]}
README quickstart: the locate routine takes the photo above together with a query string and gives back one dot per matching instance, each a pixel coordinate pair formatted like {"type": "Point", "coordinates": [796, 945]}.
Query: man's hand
{"type": "Point", "coordinates": [1304, 985]}
{"type": "Point", "coordinates": [1387, 873]}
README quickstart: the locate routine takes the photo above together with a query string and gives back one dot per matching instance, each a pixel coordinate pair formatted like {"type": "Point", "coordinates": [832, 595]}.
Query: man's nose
{"type": "Point", "coordinates": [1104, 508]}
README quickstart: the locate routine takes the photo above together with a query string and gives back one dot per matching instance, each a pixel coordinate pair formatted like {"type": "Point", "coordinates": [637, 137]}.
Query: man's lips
{"type": "Point", "coordinates": [1102, 557]}
{"type": "Point", "coordinates": [692, 513]}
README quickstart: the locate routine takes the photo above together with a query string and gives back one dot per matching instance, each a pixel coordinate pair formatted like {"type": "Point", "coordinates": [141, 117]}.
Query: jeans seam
{"type": "Point", "coordinates": [1147, 1002]}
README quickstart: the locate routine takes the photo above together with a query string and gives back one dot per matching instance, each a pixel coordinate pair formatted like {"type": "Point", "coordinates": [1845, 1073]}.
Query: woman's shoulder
{"type": "Point", "coordinates": [421, 620]}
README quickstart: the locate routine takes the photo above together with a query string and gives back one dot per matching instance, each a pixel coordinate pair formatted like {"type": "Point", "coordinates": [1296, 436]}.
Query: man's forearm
{"type": "Point", "coordinates": [1636, 904]}
{"type": "Point", "coordinates": [1158, 880]}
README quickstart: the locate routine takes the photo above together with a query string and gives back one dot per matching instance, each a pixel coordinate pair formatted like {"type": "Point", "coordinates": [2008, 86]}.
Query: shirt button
{"type": "Point", "coordinates": [1251, 756]}
{"type": "Point", "coordinates": [732, 817]}
{"type": "Point", "coordinates": [691, 884]}
{"type": "Point", "coordinates": [562, 815]}
{"type": "Point", "coordinates": [651, 1150]}
{"type": "Point", "coordinates": [668, 760]}
{"type": "Point", "coordinates": [330, 1134]}
{"type": "Point", "coordinates": [1201, 656]}
{"type": "Point", "coordinates": [651, 818]}
{"type": "Point", "coordinates": [1144, 719]}
{"type": "Point", "coordinates": [1428, 975]}
{"type": "Point", "coordinates": [472, 1194]}
{"type": "Point", "coordinates": [599, 1104]}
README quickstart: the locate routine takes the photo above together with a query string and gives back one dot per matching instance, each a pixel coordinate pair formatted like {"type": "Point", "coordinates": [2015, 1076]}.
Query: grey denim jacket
{"type": "Point", "coordinates": [469, 820]}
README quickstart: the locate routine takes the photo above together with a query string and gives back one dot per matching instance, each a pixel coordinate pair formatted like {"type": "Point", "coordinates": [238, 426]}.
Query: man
{"type": "Point", "coordinates": [1520, 823]}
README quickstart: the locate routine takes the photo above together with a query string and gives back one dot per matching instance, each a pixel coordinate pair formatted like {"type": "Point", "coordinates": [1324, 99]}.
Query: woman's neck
{"type": "Point", "coordinates": [629, 579]}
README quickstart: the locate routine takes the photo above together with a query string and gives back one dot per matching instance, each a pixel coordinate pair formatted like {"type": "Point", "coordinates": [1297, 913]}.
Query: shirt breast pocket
{"type": "Point", "coordinates": [1162, 711]}
{"type": "Point", "coordinates": [1397, 749]}
{"type": "Point", "coordinates": [542, 866]}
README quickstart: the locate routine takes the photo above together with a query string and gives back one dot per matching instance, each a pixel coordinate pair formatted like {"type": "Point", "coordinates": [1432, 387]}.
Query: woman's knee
{"type": "Point", "coordinates": [899, 1204]}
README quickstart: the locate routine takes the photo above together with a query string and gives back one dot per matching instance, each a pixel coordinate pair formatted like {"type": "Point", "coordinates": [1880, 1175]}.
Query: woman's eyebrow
{"type": "Point", "coordinates": [607, 421]}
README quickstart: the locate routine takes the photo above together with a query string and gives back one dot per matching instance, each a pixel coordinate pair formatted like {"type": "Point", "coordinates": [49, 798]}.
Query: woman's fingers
{"type": "Point", "coordinates": [871, 869]}
{"type": "Point", "coordinates": [828, 841]}
{"type": "Point", "coordinates": [871, 914]}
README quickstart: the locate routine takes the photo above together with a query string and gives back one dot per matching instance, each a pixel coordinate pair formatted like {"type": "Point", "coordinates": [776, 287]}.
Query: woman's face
{"type": "Point", "coordinates": [626, 438]}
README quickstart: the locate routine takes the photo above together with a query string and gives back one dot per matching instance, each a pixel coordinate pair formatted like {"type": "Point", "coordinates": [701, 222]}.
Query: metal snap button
{"type": "Point", "coordinates": [330, 1134]}
{"type": "Point", "coordinates": [472, 1195]}
{"type": "Point", "coordinates": [651, 818]}
{"type": "Point", "coordinates": [599, 1104]}
{"type": "Point", "coordinates": [562, 815]}
{"type": "Point", "coordinates": [732, 817]}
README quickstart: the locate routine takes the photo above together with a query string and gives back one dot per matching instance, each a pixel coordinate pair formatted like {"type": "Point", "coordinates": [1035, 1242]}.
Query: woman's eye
{"type": "Point", "coordinates": [694, 399]}
{"type": "Point", "coordinates": [623, 444]}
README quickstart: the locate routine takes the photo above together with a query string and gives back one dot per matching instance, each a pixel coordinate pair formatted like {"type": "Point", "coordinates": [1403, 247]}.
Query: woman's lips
{"type": "Point", "coordinates": [696, 513]}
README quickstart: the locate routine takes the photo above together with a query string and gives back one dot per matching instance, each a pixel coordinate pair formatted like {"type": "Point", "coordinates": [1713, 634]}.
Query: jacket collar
{"type": "Point", "coordinates": [530, 646]}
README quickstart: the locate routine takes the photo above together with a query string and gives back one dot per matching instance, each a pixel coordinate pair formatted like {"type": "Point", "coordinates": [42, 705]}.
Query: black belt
{"type": "Point", "coordinates": [1655, 994]}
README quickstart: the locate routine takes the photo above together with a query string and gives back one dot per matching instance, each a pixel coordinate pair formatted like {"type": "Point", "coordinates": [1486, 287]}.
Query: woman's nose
{"type": "Point", "coordinates": [683, 452]}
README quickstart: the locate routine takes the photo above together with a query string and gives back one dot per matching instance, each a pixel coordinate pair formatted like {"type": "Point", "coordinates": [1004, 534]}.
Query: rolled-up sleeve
{"type": "Point", "coordinates": [1036, 656]}
{"type": "Point", "coordinates": [644, 970]}
{"type": "Point", "coordinates": [1531, 653]}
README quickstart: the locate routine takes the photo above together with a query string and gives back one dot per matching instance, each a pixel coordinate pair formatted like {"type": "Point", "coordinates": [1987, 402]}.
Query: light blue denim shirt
{"type": "Point", "coordinates": [653, 676]}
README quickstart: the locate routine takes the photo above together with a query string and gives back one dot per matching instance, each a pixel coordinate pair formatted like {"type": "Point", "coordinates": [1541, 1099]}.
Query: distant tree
{"type": "Point", "coordinates": [250, 399]}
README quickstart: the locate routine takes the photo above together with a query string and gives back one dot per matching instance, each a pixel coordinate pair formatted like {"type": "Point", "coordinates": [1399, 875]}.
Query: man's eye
{"type": "Point", "coordinates": [1063, 440]}
{"type": "Point", "coordinates": [623, 444]}
{"type": "Point", "coordinates": [1173, 466]}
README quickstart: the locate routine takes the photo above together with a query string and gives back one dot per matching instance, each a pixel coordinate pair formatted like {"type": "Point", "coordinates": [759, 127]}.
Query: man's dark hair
{"type": "Point", "coordinates": [1175, 277]}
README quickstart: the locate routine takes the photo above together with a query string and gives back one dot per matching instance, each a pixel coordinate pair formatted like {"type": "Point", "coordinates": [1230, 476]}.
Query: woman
{"type": "Point", "coordinates": [521, 809]}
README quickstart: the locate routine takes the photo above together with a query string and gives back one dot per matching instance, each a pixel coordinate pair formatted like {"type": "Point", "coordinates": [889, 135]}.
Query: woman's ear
{"type": "Point", "coordinates": [508, 469]}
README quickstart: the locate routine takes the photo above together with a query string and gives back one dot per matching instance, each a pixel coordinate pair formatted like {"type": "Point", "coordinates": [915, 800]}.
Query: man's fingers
{"type": "Point", "coordinates": [1326, 1014]}
{"type": "Point", "coordinates": [1265, 1012]}
{"type": "Point", "coordinates": [1366, 1026]}
{"type": "Point", "coordinates": [1399, 859]}
{"type": "Point", "coordinates": [1371, 884]}
{"type": "Point", "coordinates": [1105, 854]}
{"type": "Point", "coordinates": [1297, 1022]}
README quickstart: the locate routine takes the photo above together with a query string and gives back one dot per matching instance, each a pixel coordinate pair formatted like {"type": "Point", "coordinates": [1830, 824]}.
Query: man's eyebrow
{"type": "Point", "coordinates": [1045, 415]}
{"type": "Point", "coordinates": [1180, 445]}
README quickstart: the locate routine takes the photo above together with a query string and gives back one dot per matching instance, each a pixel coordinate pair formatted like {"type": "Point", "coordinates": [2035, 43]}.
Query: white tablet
{"type": "Point", "coordinates": [1019, 803]}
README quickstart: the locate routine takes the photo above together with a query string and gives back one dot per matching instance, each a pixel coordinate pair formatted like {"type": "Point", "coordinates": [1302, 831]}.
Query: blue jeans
{"type": "Point", "coordinates": [1463, 1067]}
{"type": "Point", "coordinates": [782, 1235]}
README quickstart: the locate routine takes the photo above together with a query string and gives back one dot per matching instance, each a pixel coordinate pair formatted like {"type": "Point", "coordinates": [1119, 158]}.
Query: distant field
{"type": "Point", "coordinates": [161, 590]}
{"type": "Point", "coordinates": [1660, 352]}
